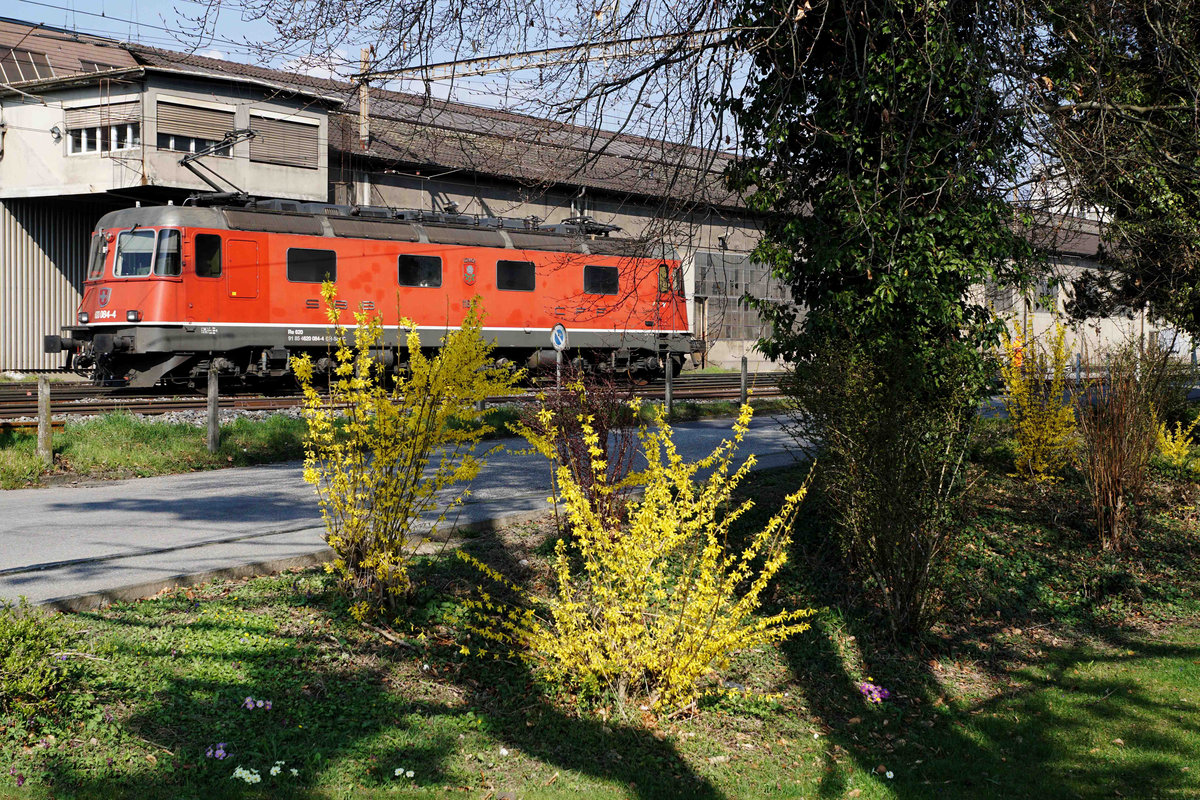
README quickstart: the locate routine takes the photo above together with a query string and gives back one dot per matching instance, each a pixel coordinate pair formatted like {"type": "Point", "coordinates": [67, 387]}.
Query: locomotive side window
{"type": "Point", "coordinates": [166, 259]}
{"type": "Point", "coordinates": [135, 254]}
{"type": "Point", "coordinates": [600, 280]}
{"type": "Point", "coordinates": [664, 279]}
{"type": "Point", "coordinates": [515, 276]}
{"type": "Point", "coordinates": [208, 255]}
{"type": "Point", "coordinates": [420, 271]}
{"type": "Point", "coordinates": [96, 259]}
{"type": "Point", "coordinates": [311, 266]}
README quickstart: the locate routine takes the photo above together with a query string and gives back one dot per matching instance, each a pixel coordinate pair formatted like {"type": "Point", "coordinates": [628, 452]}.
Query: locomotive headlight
{"type": "Point", "coordinates": [83, 317]}
{"type": "Point", "coordinates": [133, 316]}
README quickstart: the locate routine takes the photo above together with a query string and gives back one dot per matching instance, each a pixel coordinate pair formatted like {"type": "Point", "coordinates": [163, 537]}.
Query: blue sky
{"type": "Point", "coordinates": [162, 24]}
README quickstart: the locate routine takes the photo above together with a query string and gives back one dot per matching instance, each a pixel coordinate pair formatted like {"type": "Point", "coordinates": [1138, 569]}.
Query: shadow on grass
{"type": "Point", "coordinates": [347, 709]}
{"type": "Point", "coordinates": [986, 712]}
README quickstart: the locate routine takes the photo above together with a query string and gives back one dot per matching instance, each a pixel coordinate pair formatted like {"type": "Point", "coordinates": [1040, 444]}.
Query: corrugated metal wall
{"type": "Point", "coordinates": [43, 254]}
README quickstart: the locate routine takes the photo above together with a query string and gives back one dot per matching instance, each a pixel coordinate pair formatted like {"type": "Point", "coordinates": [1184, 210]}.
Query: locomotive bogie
{"type": "Point", "coordinates": [174, 290]}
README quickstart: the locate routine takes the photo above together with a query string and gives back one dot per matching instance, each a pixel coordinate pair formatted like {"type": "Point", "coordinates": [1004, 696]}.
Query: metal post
{"type": "Point", "coordinates": [669, 395]}
{"type": "Point", "coordinates": [45, 446]}
{"type": "Point", "coordinates": [214, 417]}
{"type": "Point", "coordinates": [745, 370]}
{"type": "Point", "coordinates": [558, 369]}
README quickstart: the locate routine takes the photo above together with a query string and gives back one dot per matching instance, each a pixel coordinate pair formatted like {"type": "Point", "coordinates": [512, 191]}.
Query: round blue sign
{"type": "Point", "coordinates": [558, 337]}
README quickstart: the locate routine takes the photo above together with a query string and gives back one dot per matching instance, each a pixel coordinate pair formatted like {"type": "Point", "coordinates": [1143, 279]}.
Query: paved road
{"type": "Point", "coordinates": [83, 546]}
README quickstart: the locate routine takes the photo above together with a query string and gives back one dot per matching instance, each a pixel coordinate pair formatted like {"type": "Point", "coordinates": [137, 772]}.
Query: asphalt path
{"type": "Point", "coordinates": [83, 546]}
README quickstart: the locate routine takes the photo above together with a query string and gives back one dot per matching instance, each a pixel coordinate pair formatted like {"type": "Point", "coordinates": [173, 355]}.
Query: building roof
{"type": "Point", "coordinates": [56, 53]}
{"type": "Point", "coordinates": [407, 130]}
{"type": "Point", "coordinates": [410, 129]}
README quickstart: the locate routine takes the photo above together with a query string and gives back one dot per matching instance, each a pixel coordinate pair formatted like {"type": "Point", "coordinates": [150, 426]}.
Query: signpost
{"type": "Point", "coordinates": [559, 341]}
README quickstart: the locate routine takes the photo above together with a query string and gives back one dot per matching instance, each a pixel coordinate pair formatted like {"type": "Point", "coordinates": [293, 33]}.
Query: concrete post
{"type": "Point", "coordinates": [745, 385]}
{"type": "Point", "coordinates": [214, 414]}
{"type": "Point", "coordinates": [45, 447]}
{"type": "Point", "coordinates": [669, 395]}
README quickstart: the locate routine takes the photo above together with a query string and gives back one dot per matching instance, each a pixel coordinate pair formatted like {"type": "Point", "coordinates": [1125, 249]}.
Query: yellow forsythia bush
{"type": "Point", "coordinates": [1175, 447]}
{"type": "Point", "coordinates": [649, 609]}
{"type": "Point", "coordinates": [379, 456]}
{"type": "Point", "coordinates": [1041, 413]}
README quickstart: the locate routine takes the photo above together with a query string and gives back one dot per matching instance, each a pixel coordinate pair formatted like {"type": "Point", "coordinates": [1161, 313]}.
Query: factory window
{"type": "Point", "coordinates": [188, 128]}
{"type": "Point", "coordinates": [600, 280]}
{"type": "Point", "coordinates": [515, 276]}
{"type": "Point", "coordinates": [425, 271]}
{"type": "Point", "coordinates": [189, 144]}
{"type": "Point", "coordinates": [311, 266]}
{"type": "Point", "coordinates": [104, 138]}
{"type": "Point", "coordinates": [166, 258]}
{"type": "Point", "coordinates": [208, 255]}
{"type": "Point", "coordinates": [289, 142]}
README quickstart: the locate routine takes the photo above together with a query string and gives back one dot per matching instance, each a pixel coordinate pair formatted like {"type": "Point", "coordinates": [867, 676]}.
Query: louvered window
{"type": "Point", "coordinates": [278, 141]}
{"type": "Point", "coordinates": [190, 121]}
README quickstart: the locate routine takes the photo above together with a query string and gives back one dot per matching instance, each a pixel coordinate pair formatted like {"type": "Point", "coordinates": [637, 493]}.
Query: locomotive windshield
{"type": "Point", "coordinates": [138, 255]}
{"type": "Point", "coordinates": [96, 258]}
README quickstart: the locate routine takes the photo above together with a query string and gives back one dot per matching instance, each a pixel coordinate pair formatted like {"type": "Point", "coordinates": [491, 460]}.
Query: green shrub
{"type": "Point", "coordinates": [31, 674]}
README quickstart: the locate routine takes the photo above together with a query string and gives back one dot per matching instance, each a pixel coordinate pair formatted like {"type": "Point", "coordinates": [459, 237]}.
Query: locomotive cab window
{"type": "Point", "coordinates": [664, 279]}
{"type": "Point", "coordinates": [424, 271]}
{"type": "Point", "coordinates": [135, 254]}
{"type": "Point", "coordinates": [96, 258]}
{"type": "Point", "coordinates": [600, 280]}
{"type": "Point", "coordinates": [167, 257]}
{"type": "Point", "coordinates": [311, 266]}
{"type": "Point", "coordinates": [207, 250]}
{"type": "Point", "coordinates": [515, 276]}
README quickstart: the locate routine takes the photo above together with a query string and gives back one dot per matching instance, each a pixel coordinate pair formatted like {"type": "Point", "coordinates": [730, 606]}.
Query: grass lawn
{"type": "Point", "coordinates": [121, 445]}
{"type": "Point", "coordinates": [1058, 671]}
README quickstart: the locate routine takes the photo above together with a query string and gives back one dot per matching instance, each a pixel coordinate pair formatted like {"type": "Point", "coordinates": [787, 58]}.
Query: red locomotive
{"type": "Point", "coordinates": [171, 290]}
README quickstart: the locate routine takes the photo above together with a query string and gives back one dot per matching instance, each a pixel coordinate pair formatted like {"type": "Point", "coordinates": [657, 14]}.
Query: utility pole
{"type": "Point", "coordinates": [364, 100]}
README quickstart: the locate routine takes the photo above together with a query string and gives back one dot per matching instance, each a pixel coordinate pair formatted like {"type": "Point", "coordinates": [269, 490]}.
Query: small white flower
{"type": "Point", "coordinates": [409, 774]}
{"type": "Point", "coordinates": [399, 771]}
{"type": "Point", "coordinates": [503, 751]}
{"type": "Point", "coordinates": [816, 736]}
{"type": "Point", "coordinates": [889, 774]}
{"type": "Point", "coordinates": [275, 770]}
{"type": "Point", "coordinates": [295, 772]}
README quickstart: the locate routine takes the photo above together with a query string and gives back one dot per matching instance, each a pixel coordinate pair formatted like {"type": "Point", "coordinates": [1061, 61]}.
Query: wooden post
{"type": "Point", "coordinates": [45, 445]}
{"type": "Point", "coordinates": [745, 370]}
{"type": "Point", "coordinates": [669, 395]}
{"type": "Point", "coordinates": [214, 414]}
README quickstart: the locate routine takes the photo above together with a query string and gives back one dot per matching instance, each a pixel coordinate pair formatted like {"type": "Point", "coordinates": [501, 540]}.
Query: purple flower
{"type": "Point", "coordinates": [259, 703]}
{"type": "Point", "coordinates": [873, 693]}
{"type": "Point", "coordinates": [248, 702]}
{"type": "Point", "coordinates": [216, 751]}
{"type": "Point", "coordinates": [20, 779]}
{"type": "Point", "coordinates": [268, 706]}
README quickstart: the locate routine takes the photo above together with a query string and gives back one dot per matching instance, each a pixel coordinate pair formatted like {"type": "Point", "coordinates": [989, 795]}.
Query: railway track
{"type": "Point", "coordinates": [18, 401]}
